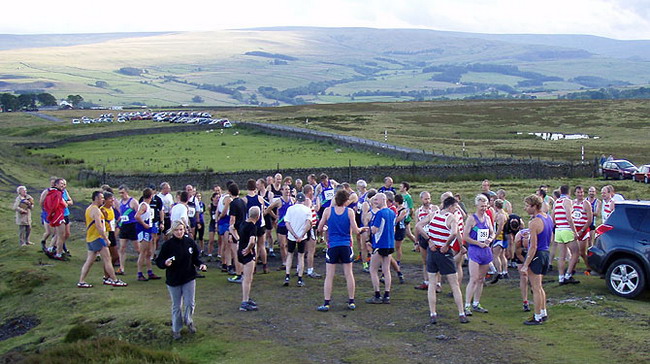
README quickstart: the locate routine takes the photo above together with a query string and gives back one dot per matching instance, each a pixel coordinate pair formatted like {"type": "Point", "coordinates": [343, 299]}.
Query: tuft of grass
{"type": "Point", "coordinates": [103, 350]}
{"type": "Point", "coordinates": [80, 331]}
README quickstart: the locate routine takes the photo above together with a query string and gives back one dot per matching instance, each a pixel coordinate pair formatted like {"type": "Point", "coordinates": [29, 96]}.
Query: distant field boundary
{"type": "Point", "coordinates": [527, 169]}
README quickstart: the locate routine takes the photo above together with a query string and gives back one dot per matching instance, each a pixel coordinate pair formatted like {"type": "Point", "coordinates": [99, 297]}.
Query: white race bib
{"type": "Point", "coordinates": [112, 224]}
{"type": "Point", "coordinates": [577, 215]}
{"type": "Point", "coordinates": [329, 194]}
{"type": "Point", "coordinates": [482, 235]}
{"type": "Point", "coordinates": [124, 218]}
{"type": "Point", "coordinates": [191, 212]}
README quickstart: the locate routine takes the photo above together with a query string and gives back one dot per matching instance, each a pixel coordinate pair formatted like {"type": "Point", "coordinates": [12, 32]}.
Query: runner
{"type": "Point", "coordinates": [500, 245]}
{"type": "Point", "coordinates": [223, 226]}
{"type": "Point", "coordinates": [49, 232]}
{"type": "Point", "coordinates": [66, 216]}
{"type": "Point", "coordinates": [157, 220]}
{"type": "Point", "coordinates": [247, 237]}
{"type": "Point", "coordinates": [310, 249]}
{"type": "Point", "coordinates": [192, 203]}
{"type": "Point", "coordinates": [253, 199]}
{"type": "Point", "coordinates": [167, 203]}
{"type": "Point", "coordinates": [144, 227]}
{"type": "Point", "coordinates": [55, 206]}
{"type": "Point", "coordinates": [565, 235]}
{"type": "Point", "coordinates": [275, 189]}
{"type": "Point", "coordinates": [23, 206]}
{"type": "Point", "coordinates": [298, 220]}
{"type": "Point", "coordinates": [179, 256]}
{"type": "Point", "coordinates": [404, 189]}
{"type": "Point", "coordinates": [382, 246]}
{"type": "Point", "coordinates": [595, 208]}
{"type": "Point", "coordinates": [399, 225]}
{"type": "Point", "coordinates": [110, 220]}
{"type": "Point", "coordinates": [536, 264]}
{"type": "Point", "coordinates": [212, 227]}
{"type": "Point", "coordinates": [179, 211]}
{"type": "Point", "coordinates": [478, 234]}
{"type": "Point", "coordinates": [266, 241]}
{"type": "Point", "coordinates": [281, 205]}
{"type": "Point", "coordinates": [608, 204]}
{"type": "Point", "coordinates": [127, 224]}
{"type": "Point", "coordinates": [237, 213]}
{"type": "Point", "coordinates": [507, 206]}
{"type": "Point", "coordinates": [200, 223]}
{"type": "Point", "coordinates": [388, 186]}
{"type": "Point", "coordinates": [324, 193]}
{"type": "Point", "coordinates": [424, 215]}
{"type": "Point", "coordinates": [96, 238]}
{"type": "Point", "coordinates": [582, 218]}
{"type": "Point", "coordinates": [442, 232]}
{"type": "Point", "coordinates": [485, 188]}
{"type": "Point", "coordinates": [513, 225]}
{"type": "Point", "coordinates": [362, 194]}
{"type": "Point", "coordinates": [521, 242]}
{"type": "Point", "coordinates": [340, 222]}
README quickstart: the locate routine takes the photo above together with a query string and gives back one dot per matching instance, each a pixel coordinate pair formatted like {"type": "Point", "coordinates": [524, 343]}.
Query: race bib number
{"type": "Point", "coordinates": [577, 215]}
{"type": "Point", "coordinates": [329, 194]}
{"type": "Point", "coordinates": [482, 235]}
{"type": "Point", "coordinates": [191, 212]}
{"type": "Point", "coordinates": [124, 218]}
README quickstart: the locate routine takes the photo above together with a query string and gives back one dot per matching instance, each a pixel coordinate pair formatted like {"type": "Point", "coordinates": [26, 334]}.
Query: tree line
{"type": "Point", "coordinates": [31, 101]}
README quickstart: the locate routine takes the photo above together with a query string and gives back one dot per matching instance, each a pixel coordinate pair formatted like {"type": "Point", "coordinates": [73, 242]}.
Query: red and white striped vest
{"type": "Point", "coordinates": [560, 214]}
{"type": "Point", "coordinates": [579, 214]}
{"type": "Point", "coordinates": [423, 212]}
{"type": "Point", "coordinates": [608, 208]}
{"type": "Point", "coordinates": [437, 230]}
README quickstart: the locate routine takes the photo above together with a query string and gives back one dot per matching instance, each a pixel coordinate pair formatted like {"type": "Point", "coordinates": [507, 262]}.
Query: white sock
{"type": "Point", "coordinates": [426, 282]}
{"type": "Point", "coordinates": [538, 317]}
{"type": "Point", "coordinates": [567, 276]}
{"type": "Point", "coordinates": [543, 312]}
{"type": "Point", "coordinates": [467, 305]}
{"type": "Point", "coordinates": [433, 314]}
{"type": "Point", "coordinates": [561, 278]}
{"type": "Point", "coordinates": [475, 303]}
{"type": "Point", "coordinates": [310, 270]}
{"type": "Point", "coordinates": [492, 268]}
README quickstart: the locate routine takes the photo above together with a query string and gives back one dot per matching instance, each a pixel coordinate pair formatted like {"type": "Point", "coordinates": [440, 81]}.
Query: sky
{"type": "Point", "coordinates": [618, 19]}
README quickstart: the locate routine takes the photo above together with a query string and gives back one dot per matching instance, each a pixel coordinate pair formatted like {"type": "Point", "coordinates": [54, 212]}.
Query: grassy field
{"type": "Point", "coordinates": [588, 324]}
{"type": "Point", "coordinates": [484, 127]}
{"type": "Point", "coordinates": [221, 152]}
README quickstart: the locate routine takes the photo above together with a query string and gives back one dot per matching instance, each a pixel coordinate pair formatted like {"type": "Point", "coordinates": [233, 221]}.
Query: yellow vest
{"type": "Point", "coordinates": [92, 233]}
{"type": "Point", "coordinates": [109, 218]}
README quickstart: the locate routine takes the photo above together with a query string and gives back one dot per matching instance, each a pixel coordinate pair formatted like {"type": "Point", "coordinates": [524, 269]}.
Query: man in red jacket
{"type": "Point", "coordinates": [55, 206]}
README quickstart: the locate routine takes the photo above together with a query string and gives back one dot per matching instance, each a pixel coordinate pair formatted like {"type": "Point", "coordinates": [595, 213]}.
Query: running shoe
{"type": "Point", "coordinates": [84, 285]}
{"type": "Point", "coordinates": [463, 319]}
{"type": "Point", "coordinates": [505, 276]}
{"type": "Point", "coordinates": [401, 279]}
{"type": "Point", "coordinates": [422, 287]}
{"type": "Point", "coordinates": [468, 311]}
{"type": "Point", "coordinates": [374, 300]}
{"type": "Point", "coordinates": [265, 269]}
{"type": "Point", "coordinates": [43, 248]}
{"type": "Point", "coordinates": [352, 306]}
{"type": "Point", "coordinates": [282, 267]}
{"type": "Point", "coordinates": [385, 300]}
{"type": "Point", "coordinates": [532, 321]}
{"type": "Point", "coordinates": [495, 279]}
{"type": "Point", "coordinates": [235, 279]}
{"type": "Point", "coordinates": [571, 280]}
{"type": "Point", "coordinates": [433, 319]}
{"type": "Point", "coordinates": [479, 308]}
{"type": "Point", "coordinates": [314, 275]}
{"type": "Point", "coordinates": [251, 302]}
{"type": "Point", "coordinates": [118, 283]}
{"type": "Point", "coordinates": [323, 308]}
{"type": "Point", "coordinates": [526, 307]}
{"type": "Point", "coordinates": [231, 272]}
{"type": "Point", "coordinates": [300, 283]}
{"type": "Point", "coordinates": [154, 276]}
{"type": "Point", "coordinates": [191, 328]}
{"type": "Point", "coordinates": [142, 278]}
{"type": "Point", "coordinates": [286, 281]}
{"type": "Point", "coordinates": [588, 272]}
{"type": "Point", "coordinates": [438, 288]}
{"type": "Point", "coordinates": [544, 318]}
{"type": "Point", "coordinates": [119, 272]}
{"type": "Point", "coordinates": [272, 254]}
{"type": "Point", "coordinates": [366, 270]}
{"type": "Point", "coordinates": [246, 306]}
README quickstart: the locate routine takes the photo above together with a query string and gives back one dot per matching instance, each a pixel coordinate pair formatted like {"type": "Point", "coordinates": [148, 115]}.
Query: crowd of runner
{"type": "Point", "coordinates": [280, 216]}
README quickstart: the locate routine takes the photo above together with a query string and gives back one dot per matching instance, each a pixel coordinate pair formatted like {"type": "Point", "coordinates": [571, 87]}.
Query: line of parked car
{"type": "Point", "coordinates": [180, 117]}
{"type": "Point", "coordinates": [624, 169]}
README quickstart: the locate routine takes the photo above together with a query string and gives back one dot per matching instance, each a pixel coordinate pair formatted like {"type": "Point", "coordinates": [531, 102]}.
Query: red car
{"type": "Point", "coordinates": [643, 175]}
{"type": "Point", "coordinates": [618, 169]}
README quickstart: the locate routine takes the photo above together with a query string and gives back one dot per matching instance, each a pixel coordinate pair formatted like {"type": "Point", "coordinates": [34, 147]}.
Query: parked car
{"type": "Point", "coordinates": [621, 250]}
{"type": "Point", "coordinates": [618, 169]}
{"type": "Point", "coordinates": [76, 121]}
{"type": "Point", "coordinates": [643, 174]}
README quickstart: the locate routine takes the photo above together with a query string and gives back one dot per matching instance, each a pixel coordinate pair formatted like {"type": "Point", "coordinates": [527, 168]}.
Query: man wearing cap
{"type": "Point", "coordinates": [298, 222]}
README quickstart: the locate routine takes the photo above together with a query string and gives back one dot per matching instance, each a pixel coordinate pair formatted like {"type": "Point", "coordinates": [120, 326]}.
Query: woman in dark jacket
{"type": "Point", "coordinates": [179, 256]}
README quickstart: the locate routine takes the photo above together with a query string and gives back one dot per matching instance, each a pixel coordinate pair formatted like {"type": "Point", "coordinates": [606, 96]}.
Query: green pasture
{"type": "Point", "coordinates": [485, 127]}
{"type": "Point", "coordinates": [217, 150]}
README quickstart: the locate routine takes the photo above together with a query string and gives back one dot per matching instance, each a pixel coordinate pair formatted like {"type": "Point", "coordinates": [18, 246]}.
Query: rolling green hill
{"type": "Point", "coordinates": [281, 66]}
